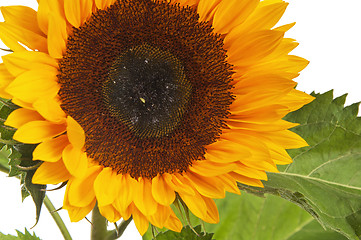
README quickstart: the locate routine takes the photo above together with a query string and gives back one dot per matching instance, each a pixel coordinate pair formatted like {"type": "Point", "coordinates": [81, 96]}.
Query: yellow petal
{"type": "Point", "coordinates": [51, 150]}
{"type": "Point", "coordinates": [211, 169]}
{"type": "Point", "coordinates": [207, 186]}
{"type": "Point", "coordinates": [49, 108]}
{"type": "Point", "coordinates": [231, 13]}
{"type": "Point", "coordinates": [22, 104]}
{"type": "Point", "coordinates": [20, 116]}
{"type": "Point", "coordinates": [110, 213]}
{"type": "Point", "coordinates": [267, 127]}
{"type": "Point", "coordinates": [103, 4]}
{"type": "Point", "coordinates": [254, 47]}
{"type": "Point", "coordinates": [179, 183]}
{"type": "Point", "coordinates": [212, 211]}
{"type": "Point", "coordinates": [196, 204]}
{"type": "Point", "coordinates": [229, 183]}
{"type": "Point", "coordinates": [284, 48]}
{"type": "Point", "coordinates": [246, 180]}
{"type": "Point", "coordinates": [140, 221]}
{"type": "Point", "coordinates": [34, 84]}
{"type": "Point", "coordinates": [42, 15]}
{"type": "Point", "coordinates": [161, 216]}
{"type": "Point", "coordinates": [278, 153]}
{"type": "Point", "coordinates": [51, 173]}
{"type": "Point", "coordinates": [256, 85]}
{"type": "Point", "coordinates": [38, 131]}
{"type": "Point", "coordinates": [21, 16]}
{"type": "Point", "coordinates": [106, 186]}
{"type": "Point", "coordinates": [173, 223]}
{"type": "Point", "coordinates": [13, 35]}
{"type": "Point", "coordinates": [76, 213]}
{"type": "Point", "coordinates": [226, 152]}
{"type": "Point", "coordinates": [296, 99]}
{"type": "Point", "coordinates": [5, 79]}
{"type": "Point", "coordinates": [144, 200]}
{"type": "Point", "coordinates": [161, 191]}
{"type": "Point", "coordinates": [286, 27]}
{"type": "Point", "coordinates": [250, 172]}
{"type": "Point", "coordinates": [125, 195]}
{"type": "Point", "coordinates": [81, 191]}
{"type": "Point", "coordinates": [287, 139]}
{"type": "Point", "coordinates": [127, 213]}
{"type": "Point", "coordinates": [47, 9]}
{"type": "Point", "coordinates": [77, 12]}
{"type": "Point", "coordinates": [75, 161]}
{"type": "Point", "coordinates": [206, 9]}
{"type": "Point", "coordinates": [57, 36]}
{"type": "Point", "coordinates": [19, 62]}
{"type": "Point", "coordinates": [76, 133]}
{"type": "Point", "coordinates": [264, 17]}
{"type": "Point", "coordinates": [182, 3]}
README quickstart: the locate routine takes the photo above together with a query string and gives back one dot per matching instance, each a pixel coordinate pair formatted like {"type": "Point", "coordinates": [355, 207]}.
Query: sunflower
{"type": "Point", "coordinates": [140, 103]}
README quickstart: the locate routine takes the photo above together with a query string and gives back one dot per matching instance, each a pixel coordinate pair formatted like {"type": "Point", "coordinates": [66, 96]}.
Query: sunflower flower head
{"type": "Point", "coordinates": [138, 104]}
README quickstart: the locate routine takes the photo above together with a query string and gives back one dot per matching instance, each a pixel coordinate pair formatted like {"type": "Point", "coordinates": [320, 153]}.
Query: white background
{"type": "Point", "coordinates": [329, 34]}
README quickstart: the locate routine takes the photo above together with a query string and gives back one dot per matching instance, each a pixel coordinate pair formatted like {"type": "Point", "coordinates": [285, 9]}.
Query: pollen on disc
{"type": "Point", "coordinates": [147, 90]}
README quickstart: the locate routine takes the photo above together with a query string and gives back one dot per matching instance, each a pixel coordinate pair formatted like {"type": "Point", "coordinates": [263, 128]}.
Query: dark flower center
{"type": "Point", "coordinates": [147, 90]}
{"type": "Point", "coordinates": [149, 84]}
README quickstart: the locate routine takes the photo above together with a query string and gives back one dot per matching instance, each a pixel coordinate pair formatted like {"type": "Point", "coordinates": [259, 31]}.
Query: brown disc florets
{"type": "Point", "coordinates": [149, 84]}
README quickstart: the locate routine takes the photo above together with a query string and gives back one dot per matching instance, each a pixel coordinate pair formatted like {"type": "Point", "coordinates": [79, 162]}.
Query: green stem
{"type": "Point", "coordinates": [99, 225]}
{"type": "Point", "coordinates": [57, 218]}
{"type": "Point", "coordinates": [123, 225]}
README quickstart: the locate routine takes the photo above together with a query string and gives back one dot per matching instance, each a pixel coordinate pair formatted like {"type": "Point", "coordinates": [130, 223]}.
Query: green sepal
{"type": "Point", "coordinates": [36, 191]}
{"type": "Point", "coordinates": [6, 132]}
{"type": "Point", "coordinates": [14, 161]}
{"type": "Point", "coordinates": [20, 159]}
{"type": "Point", "coordinates": [186, 234]}
{"type": "Point", "coordinates": [20, 236]}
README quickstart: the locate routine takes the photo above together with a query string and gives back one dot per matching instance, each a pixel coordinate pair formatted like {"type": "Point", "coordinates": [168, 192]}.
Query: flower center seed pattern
{"type": "Point", "coordinates": [186, 81]}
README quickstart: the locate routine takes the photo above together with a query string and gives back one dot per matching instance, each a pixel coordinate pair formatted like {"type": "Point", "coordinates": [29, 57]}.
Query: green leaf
{"type": "Point", "coordinates": [325, 178]}
{"type": "Point", "coordinates": [21, 236]}
{"type": "Point", "coordinates": [250, 217]}
{"type": "Point", "coordinates": [185, 234]}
